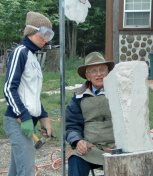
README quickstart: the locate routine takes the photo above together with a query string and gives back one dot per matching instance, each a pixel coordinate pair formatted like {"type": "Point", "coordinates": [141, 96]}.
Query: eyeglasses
{"type": "Point", "coordinates": [95, 71]}
{"type": "Point", "coordinates": [45, 33]}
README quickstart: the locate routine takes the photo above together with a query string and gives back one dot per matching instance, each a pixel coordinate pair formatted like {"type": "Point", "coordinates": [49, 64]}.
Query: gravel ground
{"type": "Point", "coordinates": [43, 158]}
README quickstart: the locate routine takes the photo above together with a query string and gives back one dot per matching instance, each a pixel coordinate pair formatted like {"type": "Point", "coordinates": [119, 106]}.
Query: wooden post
{"type": "Point", "coordinates": [129, 164]}
{"type": "Point", "coordinates": [53, 60]}
{"type": "Point", "coordinates": [109, 30]}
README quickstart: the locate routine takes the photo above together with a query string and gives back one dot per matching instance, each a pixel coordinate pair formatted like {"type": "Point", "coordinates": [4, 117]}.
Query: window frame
{"type": "Point", "coordinates": [132, 27]}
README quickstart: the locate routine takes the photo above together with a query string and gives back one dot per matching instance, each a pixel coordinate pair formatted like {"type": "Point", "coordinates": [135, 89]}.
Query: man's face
{"type": "Point", "coordinates": [96, 73]}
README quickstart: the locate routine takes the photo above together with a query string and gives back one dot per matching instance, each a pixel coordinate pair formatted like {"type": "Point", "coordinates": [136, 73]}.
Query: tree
{"type": "Point", "coordinates": [90, 35]}
{"type": "Point", "coordinates": [71, 35]}
{"type": "Point", "coordinates": [13, 15]}
{"type": "Point", "coordinates": [80, 39]}
{"type": "Point", "coordinates": [92, 32]}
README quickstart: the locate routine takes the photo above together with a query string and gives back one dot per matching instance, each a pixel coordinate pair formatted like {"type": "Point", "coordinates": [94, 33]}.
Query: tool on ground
{"type": "Point", "coordinates": [38, 142]}
{"type": "Point", "coordinates": [113, 151]}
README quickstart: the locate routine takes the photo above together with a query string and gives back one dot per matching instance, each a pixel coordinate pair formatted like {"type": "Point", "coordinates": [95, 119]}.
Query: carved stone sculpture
{"type": "Point", "coordinates": [127, 91]}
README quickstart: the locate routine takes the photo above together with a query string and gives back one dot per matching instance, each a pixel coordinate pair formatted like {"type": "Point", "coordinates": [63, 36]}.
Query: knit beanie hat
{"type": "Point", "coordinates": [37, 20]}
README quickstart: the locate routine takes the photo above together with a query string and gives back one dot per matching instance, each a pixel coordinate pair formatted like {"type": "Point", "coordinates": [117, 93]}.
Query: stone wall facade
{"type": "Point", "coordinates": [135, 47]}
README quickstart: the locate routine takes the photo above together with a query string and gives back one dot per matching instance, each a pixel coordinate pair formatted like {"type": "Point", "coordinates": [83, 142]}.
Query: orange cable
{"type": "Point", "coordinates": [54, 162]}
{"type": "Point", "coordinates": [52, 120]}
{"type": "Point", "coordinates": [58, 160]}
{"type": "Point", "coordinates": [36, 167]}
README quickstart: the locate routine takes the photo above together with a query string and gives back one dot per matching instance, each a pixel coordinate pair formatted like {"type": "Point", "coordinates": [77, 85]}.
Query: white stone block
{"type": "Point", "coordinates": [127, 91]}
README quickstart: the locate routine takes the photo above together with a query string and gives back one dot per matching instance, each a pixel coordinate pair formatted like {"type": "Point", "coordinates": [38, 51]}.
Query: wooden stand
{"type": "Point", "coordinates": [53, 60]}
{"type": "Point", "coordinates": [129, 164]}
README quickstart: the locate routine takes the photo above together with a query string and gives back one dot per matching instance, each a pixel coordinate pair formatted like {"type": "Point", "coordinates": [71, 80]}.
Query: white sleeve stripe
{"type": "Point", "coordinates": [12, 68]}
{"type": "Point", "coordinates": [13, 60]}
{"type": "Point", "coordinates": [8, 83]}
{"type": "Point", "coordinates": [8, 93]}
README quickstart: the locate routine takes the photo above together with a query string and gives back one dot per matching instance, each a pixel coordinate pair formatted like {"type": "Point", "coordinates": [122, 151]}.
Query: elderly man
{"type": "Point", "coordinates": [88, 118]}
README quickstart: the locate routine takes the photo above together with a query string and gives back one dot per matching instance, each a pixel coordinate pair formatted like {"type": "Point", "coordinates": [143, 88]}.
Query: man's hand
{"type": "Point", "coordinates": [46, 127]}
{"type": "Point", "coordinates": [27, 127]}
{"type": "Point", "coordinates": [81, 147]}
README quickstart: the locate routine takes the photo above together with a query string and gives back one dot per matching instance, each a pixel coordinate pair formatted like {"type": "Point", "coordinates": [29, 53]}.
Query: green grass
{"type": "Point", "coordinates": [151, 107]}
{"type": "Point", "coordinates": [51, 81]}
{"type": "Point", "coordinates": [2, 111]}
{"type": "Point", "coordinates": [52, 102]}
{"type": "Point", "coordinates": [2, 78]}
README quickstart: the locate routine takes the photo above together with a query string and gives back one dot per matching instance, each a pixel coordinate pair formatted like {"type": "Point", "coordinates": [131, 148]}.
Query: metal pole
{"type": "Point", "coordinates": [62, 79]}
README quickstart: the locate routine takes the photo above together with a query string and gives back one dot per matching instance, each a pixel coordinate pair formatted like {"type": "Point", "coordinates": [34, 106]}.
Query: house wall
{"type": "Point", "coordinates": [135, 45]}
{"type": "Point", "coordinates": [126, 44]}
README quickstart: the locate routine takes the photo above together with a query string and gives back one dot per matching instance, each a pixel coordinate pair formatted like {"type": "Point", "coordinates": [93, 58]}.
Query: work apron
{"type": "Point", "coordinates": [98, 129]}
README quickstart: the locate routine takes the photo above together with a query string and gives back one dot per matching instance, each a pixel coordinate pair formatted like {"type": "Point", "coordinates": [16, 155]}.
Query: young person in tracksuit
{"type": "Point", "coordinates": [22, 91]}
{"type": "Point", "coordinates": [88, 118]}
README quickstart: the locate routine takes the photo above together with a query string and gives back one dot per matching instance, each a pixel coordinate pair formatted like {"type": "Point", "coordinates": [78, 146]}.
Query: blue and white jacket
{"type": "Point", "coordinates": [23, 83]}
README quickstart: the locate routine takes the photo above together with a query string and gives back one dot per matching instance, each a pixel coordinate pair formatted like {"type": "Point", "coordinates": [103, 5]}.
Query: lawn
{"type": "Point", "coordinates": [151, 107]}
{"type": "Point", "coordinates": [52, 102]}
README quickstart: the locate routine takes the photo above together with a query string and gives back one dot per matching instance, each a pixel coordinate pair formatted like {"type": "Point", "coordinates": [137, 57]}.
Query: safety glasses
{"type": "Point", "coordinates": [45, 33]}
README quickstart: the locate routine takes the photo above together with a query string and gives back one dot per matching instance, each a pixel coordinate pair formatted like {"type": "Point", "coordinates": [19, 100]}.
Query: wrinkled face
{"type": "Point", "coordinates": [38, 40]}
{"type": "Point", "coordinates": [96, 73]}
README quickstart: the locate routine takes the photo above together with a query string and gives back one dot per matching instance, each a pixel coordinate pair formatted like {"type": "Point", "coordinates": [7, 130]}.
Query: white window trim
{"type": "Point", "coordinates": [136, 26]}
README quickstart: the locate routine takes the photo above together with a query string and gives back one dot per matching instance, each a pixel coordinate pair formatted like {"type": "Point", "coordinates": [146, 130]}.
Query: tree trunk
{"type": "Point", "coordinates": [72, 39]}
{"type": "Point", "coordinates": [129, 164]}
{"type": "Point", "coordinates": [69, 36]}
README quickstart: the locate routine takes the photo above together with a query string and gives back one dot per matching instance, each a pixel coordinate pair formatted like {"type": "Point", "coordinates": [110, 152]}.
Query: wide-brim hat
{"type": "Point", "coordinates": [94, 58]}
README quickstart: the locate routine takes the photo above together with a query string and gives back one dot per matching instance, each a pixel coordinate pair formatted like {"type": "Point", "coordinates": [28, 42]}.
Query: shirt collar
{"type": "Point", "coordinates": [94, 90]}
{"type": "Point", "coordinates": [30, 45]}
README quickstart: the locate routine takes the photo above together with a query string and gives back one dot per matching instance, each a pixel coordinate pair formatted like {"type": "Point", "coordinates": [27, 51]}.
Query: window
{"type": "Point", "coordinates": [137, 13]}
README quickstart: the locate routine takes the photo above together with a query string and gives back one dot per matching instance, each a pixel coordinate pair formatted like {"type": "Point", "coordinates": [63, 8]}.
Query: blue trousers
{"type": "Point", "coordinates": [22, 150]}
{"type": "Point", "coordinates": [79, 167]}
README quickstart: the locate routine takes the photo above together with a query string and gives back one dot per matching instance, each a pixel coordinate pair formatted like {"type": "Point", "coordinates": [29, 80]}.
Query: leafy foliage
{"type": "Point", "coordinates": [13, 16]}
{"type": "Point", "coordinates": [92, 31]}
{"type": "Point", "coordinates": [90, 34]}
{"type": "Point", "coordinates": [52, 102]}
